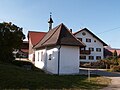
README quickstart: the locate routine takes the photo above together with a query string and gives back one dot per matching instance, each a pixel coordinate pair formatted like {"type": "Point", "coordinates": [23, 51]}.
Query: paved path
{"type": "Point", "coordinates": [99, 72]}
{"type": "Point", "coordinates": [115, 77]}
{"type": "Point", "coordinates": [115, 84]}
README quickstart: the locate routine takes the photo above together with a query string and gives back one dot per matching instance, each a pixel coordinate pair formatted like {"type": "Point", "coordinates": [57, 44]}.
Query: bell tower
{"type": "Point", "coordinates": [50, 21]}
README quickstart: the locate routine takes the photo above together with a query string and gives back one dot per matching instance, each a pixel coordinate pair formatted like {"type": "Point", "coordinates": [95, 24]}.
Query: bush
{"type": "Point", "coordinates": [100, 64]}
{"type": "Point", "coordinates": [119, 61]}
{"type": "Point", "coordinates": [21, 63]}
{"type": "Point", "coordinates": [25, 64]}
{"type": "Point", "coordinates": [115, 68]}
{"type": "Point", "coordinates": [85, 65]}
{"type": "Point", "coordinates": [6, 57]}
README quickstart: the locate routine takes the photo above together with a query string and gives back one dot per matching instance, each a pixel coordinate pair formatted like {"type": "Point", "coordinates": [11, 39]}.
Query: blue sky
{"type": "Point", "coordinates": [102, 17]}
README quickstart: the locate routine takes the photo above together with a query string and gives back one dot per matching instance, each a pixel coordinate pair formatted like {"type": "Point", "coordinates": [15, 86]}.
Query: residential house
{"type": "Point", "coordinates": [22, 52]}
{"type": "Point", "coordinates": [33, 39]}
{"type": "Point", "coordinates": [24, 49]}
{"type": "Point", "coordinates": [94, 49]}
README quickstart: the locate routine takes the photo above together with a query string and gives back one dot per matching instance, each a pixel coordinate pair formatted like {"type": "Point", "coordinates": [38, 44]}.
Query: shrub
{"type": "Point", "coordinates": [21, 63]}
{"type": "Point", "coordinates": [88, 65]}
{"type": "Point", "coordinates": [115, 68]}
{"type": "Point", "coordinates": [98, 64]}
{"type": "Point", "coordinates": [103, 64]}
{"type": "Point", "coordinates": [119, 61]}
{"type": "Point", "coordinates": [25, 64]}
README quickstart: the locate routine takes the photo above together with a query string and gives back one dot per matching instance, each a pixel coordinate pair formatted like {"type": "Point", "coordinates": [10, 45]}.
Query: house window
{"type": "Point", "coordinates": [88, 40]}
{"type": "Point", "coordinates": [91, 49]}
{"type": "Point", "coordinates": [50, 56]}
{"type": "Point", "coordinates": [79, 39]}
{"type": "Point", "coordinates": [94, 40]}
{"type": "Point", "coordinates": [82, 57]}
{"type": "Point", "coordinates": [41, 56]}
{"type": "Point", "coordinates": [98, 49]}
{"type": "Point", "coordinates": [38, 56]}
{"type": "Point", "coordinates": [98, 57]}
{"type": "Point", "coordinates": [82, 48]}
{"type": "Point", "coordinates": [83, 33]}
{"type": "Point", "coordinates": [91, 57]}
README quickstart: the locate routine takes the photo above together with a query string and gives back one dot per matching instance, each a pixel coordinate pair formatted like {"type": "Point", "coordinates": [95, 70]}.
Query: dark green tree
{"type": "Point", "coordinates": [11, 38]}
{"type": "Point", "coordinates": [115, 57]}
{"type": "Point", "coordinates": [115, 54]}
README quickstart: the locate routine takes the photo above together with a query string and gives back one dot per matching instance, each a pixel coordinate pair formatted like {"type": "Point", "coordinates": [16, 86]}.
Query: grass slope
{"type": "Point", "coordinates": [14, 77]}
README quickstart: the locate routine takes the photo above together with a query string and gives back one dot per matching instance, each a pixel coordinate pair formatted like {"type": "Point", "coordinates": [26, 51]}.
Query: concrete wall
{"type": "Point", "coordinates": [69, 60]}
{"type": "Point", "coordinates": [31, 51]}
{"type": "Point", "coordinates": [40, 58]}
{"type": "Point", "coordinates": [52, 60]}
{"type": "Point", "coordinates": [47, 59]}
{"type": "Point", "coordinates": [93, 44]}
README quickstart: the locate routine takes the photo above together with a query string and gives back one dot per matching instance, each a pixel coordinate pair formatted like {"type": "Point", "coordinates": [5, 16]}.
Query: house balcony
{"type": "Point", "coordinates": [87, 52]}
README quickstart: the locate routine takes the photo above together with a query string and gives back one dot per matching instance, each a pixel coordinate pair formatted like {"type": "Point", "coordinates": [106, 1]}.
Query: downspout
{"type": "Point", "coordinates": [59, 60]}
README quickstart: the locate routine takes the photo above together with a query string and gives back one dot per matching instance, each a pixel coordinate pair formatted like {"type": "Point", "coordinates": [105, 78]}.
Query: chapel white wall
{"type": "Point", "coordinates": [69, 60]}
{"type": "Point", "coordinates": [52, 63]}
{"type": "Point", "coordinates": [40, 57]}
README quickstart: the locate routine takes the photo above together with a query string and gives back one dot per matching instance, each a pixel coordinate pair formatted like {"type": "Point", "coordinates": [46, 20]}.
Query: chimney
{"type": "Point", "coordinates": [71, 30]}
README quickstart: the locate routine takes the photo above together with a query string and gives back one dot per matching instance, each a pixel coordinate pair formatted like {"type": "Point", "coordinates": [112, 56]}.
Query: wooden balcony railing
{"type": "Point", "coordinates": [87, 52]}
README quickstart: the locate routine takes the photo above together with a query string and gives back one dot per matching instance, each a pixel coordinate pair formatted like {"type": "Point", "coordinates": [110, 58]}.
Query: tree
{"type": "Point", "coordinates": [115, 53]}
{"type": "Point", "coordinates": [11, 38]}
{"type": "Point", "coordinates": [115, 57]}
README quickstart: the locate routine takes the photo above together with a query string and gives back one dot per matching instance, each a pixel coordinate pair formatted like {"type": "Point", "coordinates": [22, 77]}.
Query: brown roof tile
{"type": "Point", "coordinates": [60, 35]}
{"type": "Point", "coordinates": [104, 44]}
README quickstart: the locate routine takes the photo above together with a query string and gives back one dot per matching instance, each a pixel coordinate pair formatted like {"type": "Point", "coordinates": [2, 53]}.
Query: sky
{"type": "Point", "coordinates": [102, 17]}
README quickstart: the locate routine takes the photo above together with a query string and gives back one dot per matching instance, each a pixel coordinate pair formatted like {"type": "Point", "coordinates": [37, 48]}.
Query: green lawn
{"type": "Point", "coordinates": [14, 77]}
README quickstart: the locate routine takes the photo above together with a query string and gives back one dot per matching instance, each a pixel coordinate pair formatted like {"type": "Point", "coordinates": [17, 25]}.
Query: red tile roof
{"type": "Point", "coordinates": [35, 36]}
{"type": "Point", "coordinates": [109, 51]}
{"type": "Point", "coordinates": [118, 51]}
{"type": "Point", "coordinates": [25, 45]}
{"type": "Point", "coordinates": [25, 50]}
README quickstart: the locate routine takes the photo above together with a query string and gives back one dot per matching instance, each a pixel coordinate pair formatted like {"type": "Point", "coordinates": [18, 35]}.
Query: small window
{"type": "Point", "coordinates": [38, 56]}
{"type": "Point", "coordinates": [50, 56]}
{"type": "Point", "coordinates": [83, 33]}
{"type": "Point", "coordinates": [79, 39]}
{"type": "Point", "coordinates": [98, 49]}
{"type": "Point", "coordinates": [91, 49]}
{"type": "Point", "coordinates": [94, 40]}
{"type": "Point", "coordinates": [82, 57]}
{"type": "Point", "coordinates": [88, 40]}
{"type": "Point", "coordinates": [82, 48]}
{"type": "Point", "coordinates": [98, 57]}
{"type": "Point", "coordinates": [41, 56]}
{"type": "Point", "coordinates": [91, 57]}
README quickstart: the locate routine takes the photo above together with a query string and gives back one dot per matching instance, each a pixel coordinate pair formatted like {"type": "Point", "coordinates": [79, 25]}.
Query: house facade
{"type": "Point", "coordinates": [58, 52]}
{"type": "Point", "coordinates": [94, 49]}
{"type": "Point", "coordinates": [23, 52]}
{"type": "Point", "coordinates": [33, 39]}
